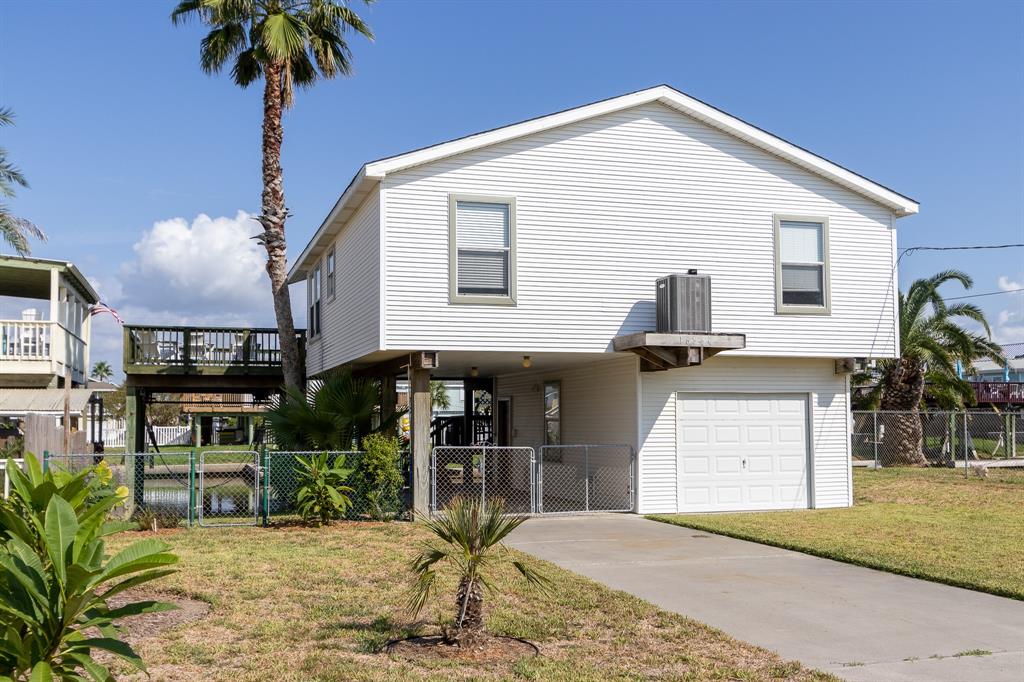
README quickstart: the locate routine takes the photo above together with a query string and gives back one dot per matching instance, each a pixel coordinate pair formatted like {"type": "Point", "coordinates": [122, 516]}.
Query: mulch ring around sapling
{"type": "Point", "coordinates": [487, 649]}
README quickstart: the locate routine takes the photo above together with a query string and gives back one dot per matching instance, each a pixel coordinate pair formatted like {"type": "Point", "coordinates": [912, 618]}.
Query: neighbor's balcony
{"type": "Point", "coordinates": [203, 350]}
{"type": "Point", "coordinates": [34, 347]}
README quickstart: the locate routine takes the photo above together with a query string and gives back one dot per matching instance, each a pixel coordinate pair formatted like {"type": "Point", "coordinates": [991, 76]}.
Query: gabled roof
{"type": "Point", "coordinates": [371, 173]}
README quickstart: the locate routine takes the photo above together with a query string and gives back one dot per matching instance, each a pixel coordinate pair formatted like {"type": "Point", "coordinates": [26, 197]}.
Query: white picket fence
{"type": "Point", "coordinates": [165, 435]}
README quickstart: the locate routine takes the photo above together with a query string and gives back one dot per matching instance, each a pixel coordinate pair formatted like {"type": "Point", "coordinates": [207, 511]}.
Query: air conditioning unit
{"type": "Point", "coordinates": [684, 303]}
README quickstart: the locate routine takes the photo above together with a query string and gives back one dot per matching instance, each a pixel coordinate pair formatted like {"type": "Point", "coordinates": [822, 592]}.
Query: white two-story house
{"type": "Point", "coordinates": [523, 260]}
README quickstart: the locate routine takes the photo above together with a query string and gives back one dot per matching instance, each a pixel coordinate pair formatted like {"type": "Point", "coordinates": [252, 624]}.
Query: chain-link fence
{"type": "Point", "coordinates": [484, 471]}
{"type": "Point", "coordinates": [231, 487]}
{"type": "Point", "coordinates": [584, 478]}
{"type": "Point", "coordinates": [962, 438]}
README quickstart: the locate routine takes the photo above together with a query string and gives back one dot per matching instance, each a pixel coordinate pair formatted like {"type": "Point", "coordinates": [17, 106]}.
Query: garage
{"type": "Point", "coordinates": [742, 451]}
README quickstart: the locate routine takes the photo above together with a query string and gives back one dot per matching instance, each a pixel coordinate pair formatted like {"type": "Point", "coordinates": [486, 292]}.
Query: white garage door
{"type": "Point", "coordinates": [742, 451]}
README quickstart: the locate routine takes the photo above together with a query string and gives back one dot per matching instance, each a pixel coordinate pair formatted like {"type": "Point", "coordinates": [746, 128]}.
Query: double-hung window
{"type": "Point", "coordinates": [801, 265]}
{"type": "Point", "coordinates": [313, 296]}
{"type": "Point", "coordinates": [482, 251]}
{"type": "Point", "coordinates": [329, 283]}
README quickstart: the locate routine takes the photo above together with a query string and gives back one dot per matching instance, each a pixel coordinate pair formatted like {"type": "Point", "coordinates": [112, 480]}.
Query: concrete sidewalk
{"type": "Point", "coordinates": [857, 623]}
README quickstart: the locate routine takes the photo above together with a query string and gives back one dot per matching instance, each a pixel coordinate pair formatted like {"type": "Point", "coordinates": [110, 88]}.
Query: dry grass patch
{"type": "Point", "coordinates": [926, 523]}
{"type": "Point", "coordinates": [305, 604]}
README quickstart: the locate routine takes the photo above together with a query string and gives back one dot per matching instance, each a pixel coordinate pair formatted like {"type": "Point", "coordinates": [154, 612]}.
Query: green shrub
{"type": "Point", "coordinates": [322, 495]}
{"type": "Point", "coordinates": [377, 479]}
{"type": "Point", "coordinates": [56, 578]}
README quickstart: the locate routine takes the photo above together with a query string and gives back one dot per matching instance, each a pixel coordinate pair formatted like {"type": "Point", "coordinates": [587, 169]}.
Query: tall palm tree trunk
{"type": "Point", "coordinates": [903, 440]}
{"type": "Point", "coordinates": [273, 218]}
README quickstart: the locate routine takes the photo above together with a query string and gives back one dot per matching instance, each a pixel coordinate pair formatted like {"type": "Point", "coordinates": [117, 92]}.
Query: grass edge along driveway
{"type": "Point", "coordinates": [934, 524]}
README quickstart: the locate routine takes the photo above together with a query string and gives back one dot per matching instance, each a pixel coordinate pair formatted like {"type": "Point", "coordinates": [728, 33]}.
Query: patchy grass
{"type": "Point", "coordinates": [318, 604]}
{"type": "Point", "coordinates": [926, 523]}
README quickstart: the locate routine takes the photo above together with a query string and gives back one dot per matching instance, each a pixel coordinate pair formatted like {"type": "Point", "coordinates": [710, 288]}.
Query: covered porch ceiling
{"type": "Point", "coordinates": [459, 364]}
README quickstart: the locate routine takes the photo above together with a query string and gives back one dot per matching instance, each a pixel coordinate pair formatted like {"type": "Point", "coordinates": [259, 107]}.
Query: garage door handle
{"type": "Point", "coordinates": [744, 462]}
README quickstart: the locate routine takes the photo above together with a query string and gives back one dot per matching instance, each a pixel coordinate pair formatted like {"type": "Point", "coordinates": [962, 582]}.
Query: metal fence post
{"type": "Point", "coordinates": [483, 474]}
{"type": "Point", "coordinates": [265, 497]}
{"type": "Point", "coordinates": [966, 472]}
{"type": "Point", "coordinates": [433, 479]}
{"type": "Point", "coordinates": [46, 460]}
{"type": "Point", "coordinates": [874, 438]}
{"type": "Point", "coordinates": [191, 487]}
{"type": "Point", "coordinates": [539, 480]}
{"type": "Point", "coordinates": [586, 478]}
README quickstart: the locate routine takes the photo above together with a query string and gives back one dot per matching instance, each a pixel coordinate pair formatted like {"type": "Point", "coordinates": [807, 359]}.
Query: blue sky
{"type": "Point", "coordinates": [120, 133]}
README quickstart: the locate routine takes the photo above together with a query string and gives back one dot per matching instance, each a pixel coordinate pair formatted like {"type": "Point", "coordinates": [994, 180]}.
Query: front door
{"type": "Point", "coordinates": [503, 435]}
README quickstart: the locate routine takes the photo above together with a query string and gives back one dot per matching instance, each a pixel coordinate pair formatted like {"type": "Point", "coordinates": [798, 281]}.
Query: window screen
{"type": "Point", "coordinates": [802, 262]}
{"type": "Point", "coordinates": [483, 248]}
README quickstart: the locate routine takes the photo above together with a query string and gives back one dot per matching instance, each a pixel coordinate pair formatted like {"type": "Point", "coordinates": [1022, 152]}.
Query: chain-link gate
{"type": "Point", "coordinates": [228, 488]}
{"type": "Point", "coordinates": [585, 478]}
{"type": "Point", "coordinates": [484, 471]}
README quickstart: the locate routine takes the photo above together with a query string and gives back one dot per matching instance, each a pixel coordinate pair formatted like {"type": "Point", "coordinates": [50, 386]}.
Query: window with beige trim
{"type": "Point", "coordinates": [482, 249]}
{"type": "Point", "coordinates": [801, 265]}
{"type": "Point", "coordinates": [329, 282]}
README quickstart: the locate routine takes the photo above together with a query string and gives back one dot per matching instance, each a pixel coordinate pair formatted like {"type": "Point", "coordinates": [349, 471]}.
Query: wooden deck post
{"type": "Point", "coordinates": [135, 439]}
{"type": "Point", "coordinates": [419, 442]}
{"type": "Point", "coordinates": [388, 396]}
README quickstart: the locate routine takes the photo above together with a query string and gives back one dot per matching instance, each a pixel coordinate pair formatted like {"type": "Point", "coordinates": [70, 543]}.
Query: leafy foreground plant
{"type": "Point", "coordinates": [322, 495]}
{"type": "Point", "coordinates": [55, 577]}
{"type": "Point", "coordinates": [471, 532]}
{"type": "Point", "coordinates": [378, 478]}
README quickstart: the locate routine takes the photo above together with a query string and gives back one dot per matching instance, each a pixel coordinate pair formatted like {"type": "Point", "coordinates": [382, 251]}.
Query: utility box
{"type": "Point", "coordinates": [683, 303]}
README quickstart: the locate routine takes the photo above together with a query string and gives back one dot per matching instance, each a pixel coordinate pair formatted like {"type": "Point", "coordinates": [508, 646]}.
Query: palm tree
{"type": "Point", "coordinates": [286, 43]}
{"type": "Point", "coordinates": [439, 399]}
{"type": "Point", "coordinates": [931, 344]}
{"type": "Point", "coordinates": [102, 371]}
{"type": "Point", "coordinates": [14, 230]}
{"type": "Point", "coordinates": [341, 412]}
{"type": "Point", "coordinates": [471, 532]}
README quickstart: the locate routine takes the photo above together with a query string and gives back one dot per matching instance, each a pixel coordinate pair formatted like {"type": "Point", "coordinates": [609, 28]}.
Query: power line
{"type": "Point", "coordinates": [990, 293]}
{"type": "Point", "coordinates": [912, 249]}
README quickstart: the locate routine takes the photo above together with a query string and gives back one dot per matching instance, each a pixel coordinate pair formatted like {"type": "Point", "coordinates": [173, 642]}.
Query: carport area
{"type": "Point", "coordinates": [858, 623]}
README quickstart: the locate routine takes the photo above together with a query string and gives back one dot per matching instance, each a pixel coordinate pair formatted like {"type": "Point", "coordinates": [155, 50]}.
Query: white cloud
{"type": "Point", "coordinates": [1009, 322]}
{"type": "Point", "coordinates": [210, 266]}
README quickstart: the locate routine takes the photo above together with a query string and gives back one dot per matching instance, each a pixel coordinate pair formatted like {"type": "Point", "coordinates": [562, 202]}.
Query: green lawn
{"type": "Point", "coordinates": [292, 603]}
{"type": "Point", "coordinates": [927, 523]}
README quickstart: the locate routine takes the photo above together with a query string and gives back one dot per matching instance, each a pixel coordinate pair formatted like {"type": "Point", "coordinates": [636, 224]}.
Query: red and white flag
{"type": "Point", "coordinates": [101, 308]}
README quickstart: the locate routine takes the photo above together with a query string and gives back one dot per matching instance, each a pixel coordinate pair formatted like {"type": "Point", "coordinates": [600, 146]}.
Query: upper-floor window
{"type": "Point", "coordinates": [313, 296]}
{"type": "Point", "coordinates": [482, 249]}
{"type": "Point", "coordinates": [801, 265]}
{"type": "Point", "coordinates": [329, 282]}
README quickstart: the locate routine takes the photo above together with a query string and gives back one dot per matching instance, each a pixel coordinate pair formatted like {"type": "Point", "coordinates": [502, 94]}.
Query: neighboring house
{"type": "Point", "coordinates": [45, 344]}
{"type": "Point", "coordinates": [1000, 386]}
{"type": "Point", "coordinates": [524, 260]}
{"type": "Point", "coordinates": [44, 339]}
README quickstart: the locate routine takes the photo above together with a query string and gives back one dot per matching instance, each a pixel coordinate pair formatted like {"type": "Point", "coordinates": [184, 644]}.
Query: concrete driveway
{"type": "Point", "coordinates": [857, 623]}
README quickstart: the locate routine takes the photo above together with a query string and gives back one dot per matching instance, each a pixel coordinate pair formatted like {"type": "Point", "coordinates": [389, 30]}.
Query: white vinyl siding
{"type": "Point", "coordinates": [597, 403]}
{"type": "Point", "coordinates": [659, 459]}
{"type": "Point", "coordinates": [351, 319]}
{"type": "Point", "coordinates": [606, 206]}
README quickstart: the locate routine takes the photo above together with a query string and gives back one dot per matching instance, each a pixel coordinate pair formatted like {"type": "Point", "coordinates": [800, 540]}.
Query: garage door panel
{"type": "Point", "coordinates": [748, 451]}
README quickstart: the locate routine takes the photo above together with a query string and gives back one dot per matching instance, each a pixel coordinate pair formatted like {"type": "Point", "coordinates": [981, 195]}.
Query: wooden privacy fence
{"type": "Point", "coordinates": [43, 435]}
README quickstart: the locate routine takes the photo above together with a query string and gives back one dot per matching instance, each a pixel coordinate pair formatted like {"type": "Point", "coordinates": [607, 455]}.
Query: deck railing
{"type": "Point", "coordinates": [25, 340]}
{"type": "Point", "coordinates": [196, 348]}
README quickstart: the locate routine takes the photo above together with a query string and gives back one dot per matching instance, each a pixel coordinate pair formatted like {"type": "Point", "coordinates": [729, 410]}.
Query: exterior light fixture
{"type": "Point", "coordinates": [474, 371]}
{"type": "Point", "coordinates": [527, 361]}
